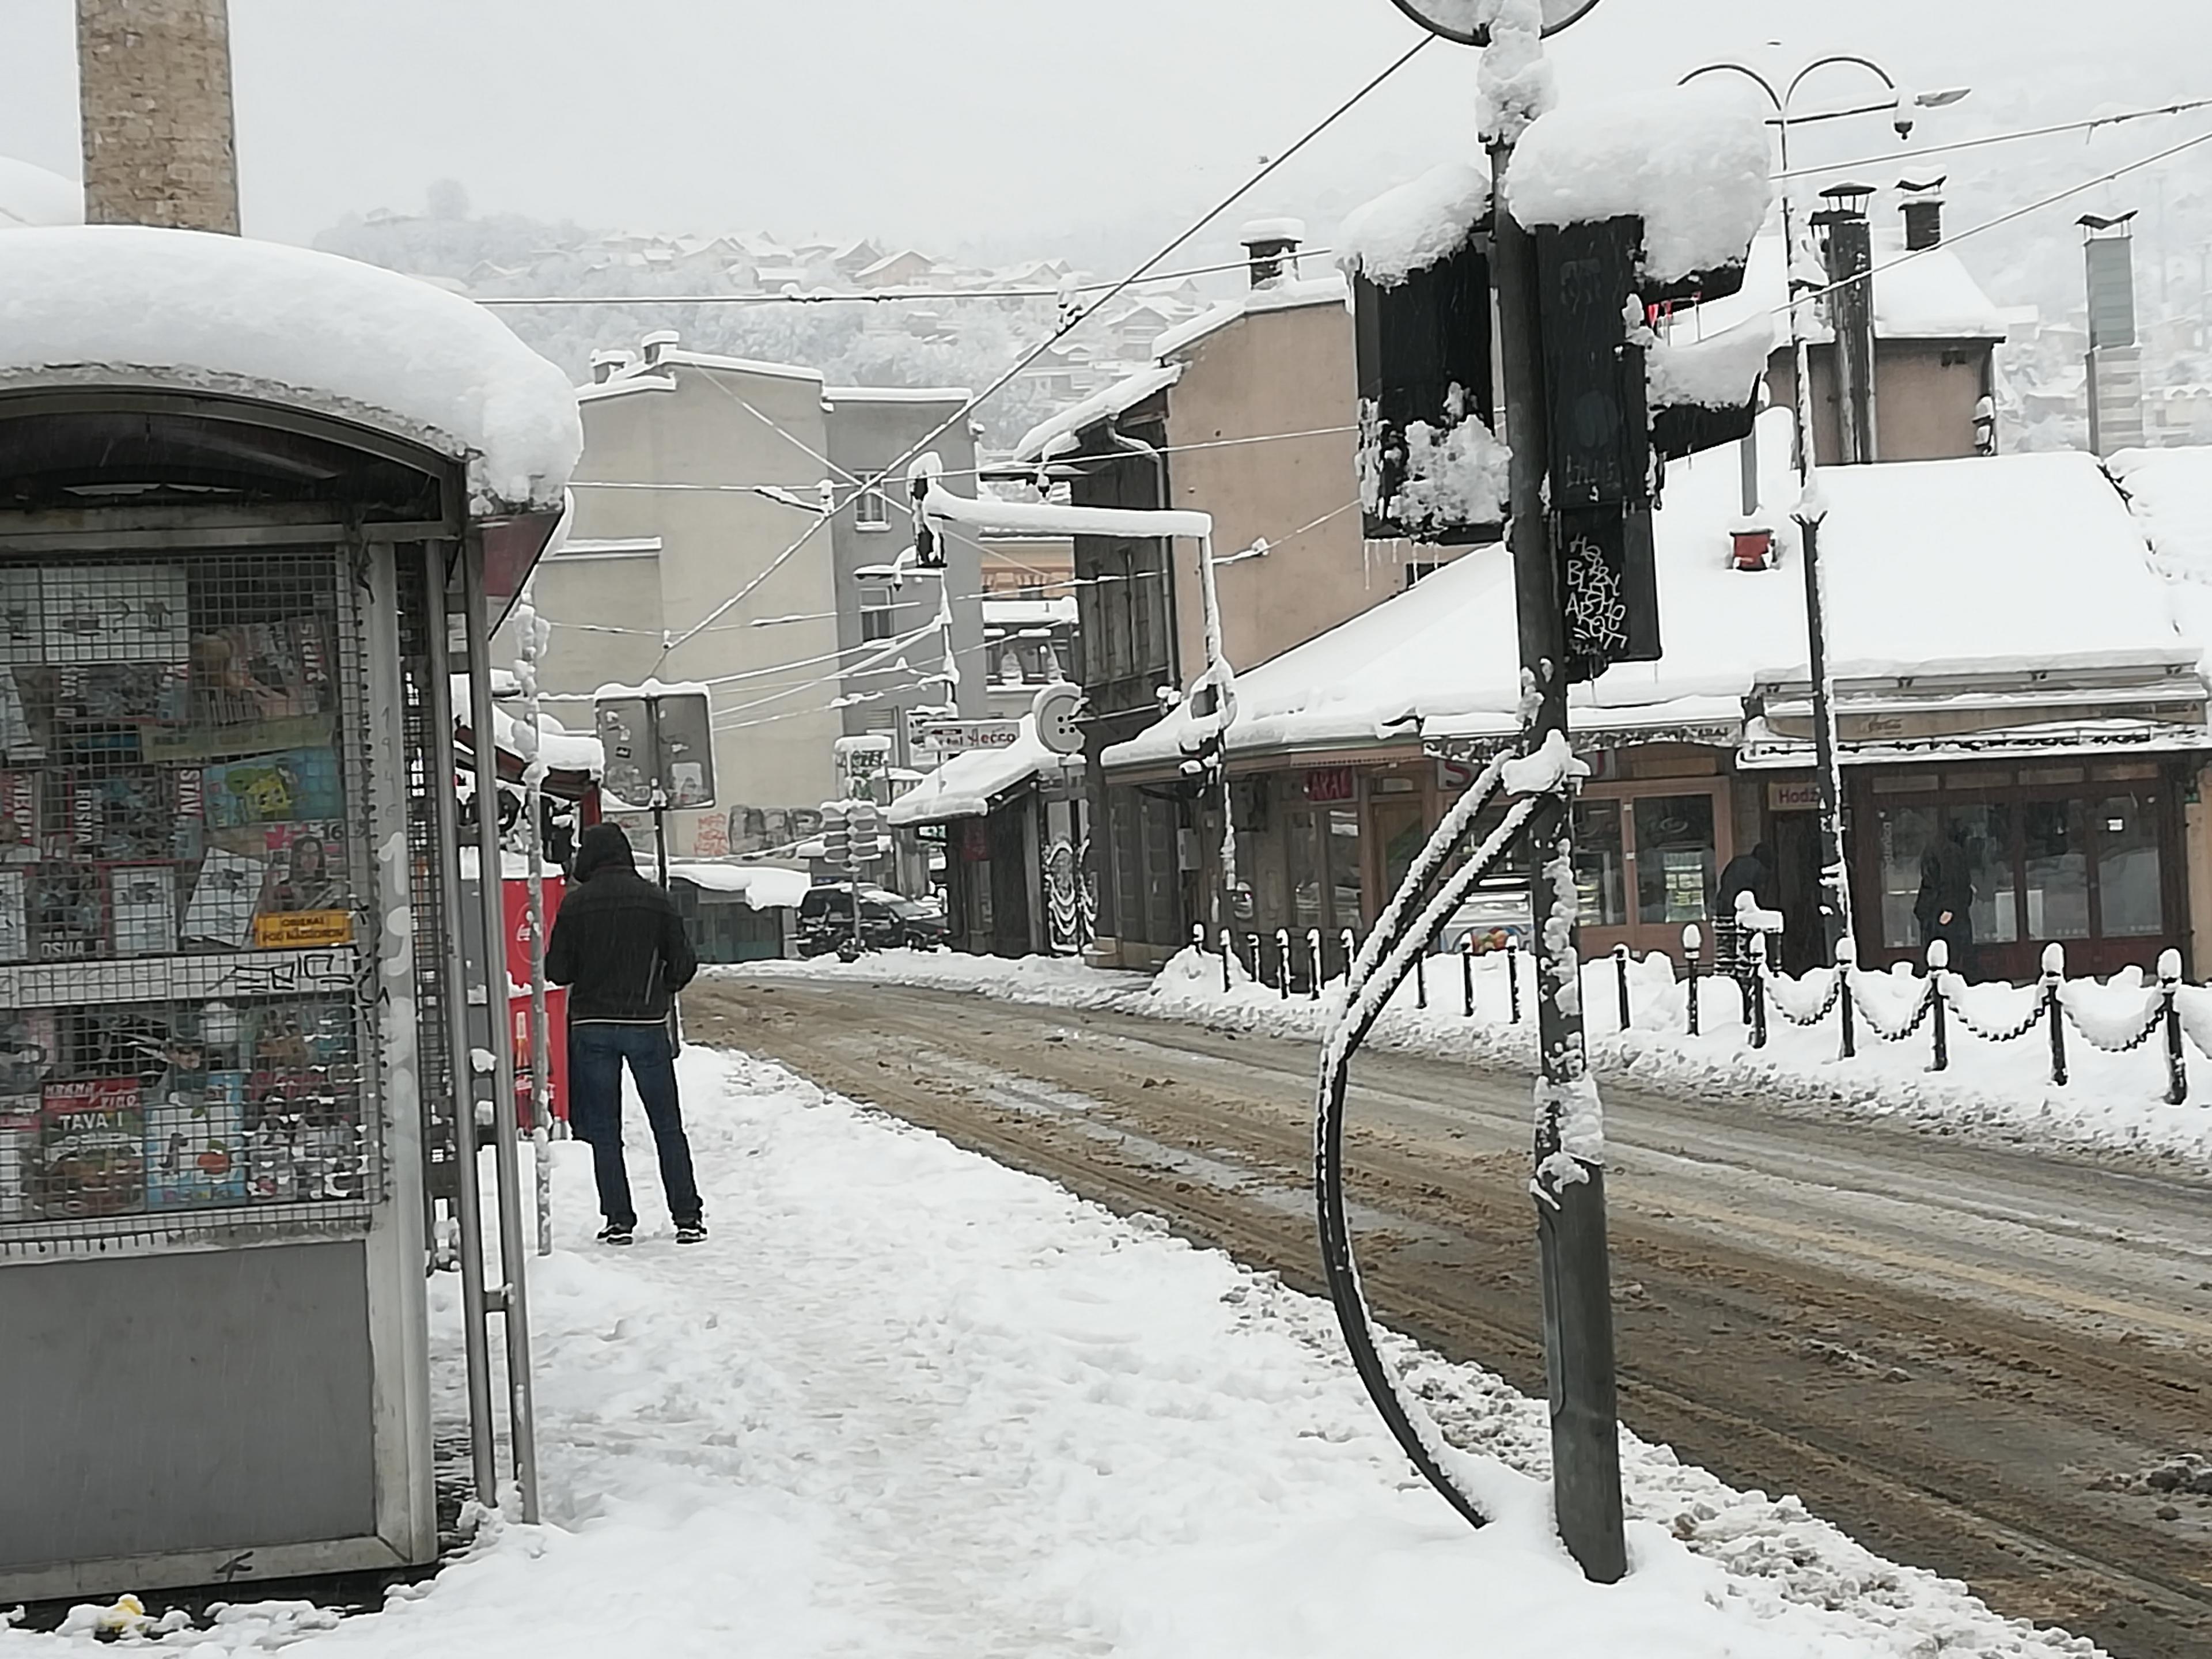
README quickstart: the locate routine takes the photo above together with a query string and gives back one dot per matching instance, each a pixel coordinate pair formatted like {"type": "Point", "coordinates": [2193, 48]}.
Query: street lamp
{"type": "Point", "coordinates": [1835, 881]}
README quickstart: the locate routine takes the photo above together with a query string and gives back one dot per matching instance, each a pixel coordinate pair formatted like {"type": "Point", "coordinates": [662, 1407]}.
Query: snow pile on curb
{"type": "Point", "coordinates": [908, 1401]}
{"type": "Point", "coordinates": [1999, 1091]}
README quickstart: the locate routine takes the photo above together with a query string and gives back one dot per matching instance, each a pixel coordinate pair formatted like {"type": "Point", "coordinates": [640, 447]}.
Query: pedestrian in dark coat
{"type": "Point", "coordinates": [619, 946]}
{"type": "Point", "coordinates": [1752, 872]}
{"type": "Point", "coordinates": [1944, 909]}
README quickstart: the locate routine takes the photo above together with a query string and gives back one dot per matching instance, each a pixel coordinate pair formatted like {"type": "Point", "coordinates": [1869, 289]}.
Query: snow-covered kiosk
{"type": "Point", "coordinates": [244, 490]}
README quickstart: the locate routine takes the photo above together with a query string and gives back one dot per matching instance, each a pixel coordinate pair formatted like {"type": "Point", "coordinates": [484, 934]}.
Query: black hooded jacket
{"type": "Point", "coordinates": [617, 943]}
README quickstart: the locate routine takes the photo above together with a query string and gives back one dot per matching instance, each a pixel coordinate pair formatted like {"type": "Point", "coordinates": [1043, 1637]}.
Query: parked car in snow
{"type": "Point", "coordinates": [1490, 915]}
{"type": "Point", "coordinates": [888, 919]}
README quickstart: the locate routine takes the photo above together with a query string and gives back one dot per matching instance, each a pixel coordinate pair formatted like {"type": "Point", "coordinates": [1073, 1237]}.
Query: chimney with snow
{"type": "Point", "coordinates": [1848, 244]}
{"type": "Point", "coordinates": [657, 344]}
{"type": "Point", "coordinates": [1923, 214]}
{"type": "Point", "coordinates": [154, 99]}
{"type": "Point", "coordinates": [608, 363]}
{"type": "Point", "coordinates": [1271, 245]}
{"type": "Point", "coordinates": [2115, 362]}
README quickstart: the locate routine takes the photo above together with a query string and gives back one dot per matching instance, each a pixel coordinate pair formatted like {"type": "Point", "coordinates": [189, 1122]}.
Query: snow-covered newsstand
{"type": "Point", "coordinates": [241, 489]}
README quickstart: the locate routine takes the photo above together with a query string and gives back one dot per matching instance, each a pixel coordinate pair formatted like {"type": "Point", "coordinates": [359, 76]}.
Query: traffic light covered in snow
{"type": "Point", "coordinates": [836, 834]}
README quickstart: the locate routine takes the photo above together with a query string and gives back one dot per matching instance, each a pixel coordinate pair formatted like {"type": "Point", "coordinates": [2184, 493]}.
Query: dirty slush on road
{"type": "Point", "coordinates": [2049, 1457]}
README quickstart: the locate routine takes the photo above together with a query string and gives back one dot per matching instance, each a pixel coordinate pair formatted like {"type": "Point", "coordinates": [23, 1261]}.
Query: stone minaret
{"type": "Point", "coordinates": [159, 143]}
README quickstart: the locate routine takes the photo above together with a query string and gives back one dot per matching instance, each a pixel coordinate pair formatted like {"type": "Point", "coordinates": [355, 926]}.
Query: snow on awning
{"type": "Point", "coordinates": [131, 306]}
{"type": "Point", "coordinates": [1058, 435]}
{"type": "Point", "coordinates": [762, 886]}
{"type": "Point", "coordinates": [2003, 568]}
{"type": "Point", "coordinates": [966, 786]}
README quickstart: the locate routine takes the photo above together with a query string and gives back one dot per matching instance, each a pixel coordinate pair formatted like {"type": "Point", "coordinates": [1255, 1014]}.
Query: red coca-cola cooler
{"type": "Point", "coordinates": [515, 892]}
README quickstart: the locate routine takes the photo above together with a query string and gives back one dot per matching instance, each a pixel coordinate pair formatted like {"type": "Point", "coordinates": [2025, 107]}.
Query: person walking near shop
{"type": "Point", "coordinates": [1944, 907]}
{"type": "Point", "coordinates": [620, 947]}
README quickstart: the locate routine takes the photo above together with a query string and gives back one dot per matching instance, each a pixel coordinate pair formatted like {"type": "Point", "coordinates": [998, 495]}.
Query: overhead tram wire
{"type": "Point", "coordinates": [1075, 320]}
{"type": "Point", "coordinates": [2087, 124]}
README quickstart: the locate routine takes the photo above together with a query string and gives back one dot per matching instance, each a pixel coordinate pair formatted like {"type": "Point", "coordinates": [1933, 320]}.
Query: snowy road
{"type": "Point", "coordinates": [1965, 1355]}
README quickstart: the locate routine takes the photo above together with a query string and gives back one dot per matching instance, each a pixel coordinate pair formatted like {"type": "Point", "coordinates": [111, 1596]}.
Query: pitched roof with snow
{"type": "Point", "coordinates": [2005, 566]}
{"type": "Point", "coordinates": [127, 305]}
{"type": "Point", "coordinates": [1058, 435]}
{"type": "Point", "coordinates": [1291, 294]}
{"type": "Point", "coordinates": [2170, 492]}
{"type": "Point", "coordinates": [1928, 295]}
{"type": "Point", "coordinates": [32, 196]}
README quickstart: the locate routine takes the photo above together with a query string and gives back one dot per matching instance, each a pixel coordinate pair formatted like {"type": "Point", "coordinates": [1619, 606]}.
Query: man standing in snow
{"type": "Point", "coordinates": [1947, 896]}
{"type": "Point", "coordinates": [620, 947]}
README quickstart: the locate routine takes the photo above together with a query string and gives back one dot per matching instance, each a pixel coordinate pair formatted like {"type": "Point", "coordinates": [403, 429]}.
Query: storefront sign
{"type": "Point", "coordinates": [1452, 776]}
{"type": "Point", "coordinates": [302, 929]}
{"type": "Point", "coordinates": [958, 737]}
{"type": "Point", "coordinates": [1326, 783]}
{"type": "Point", "coordinates": [1793, 797]}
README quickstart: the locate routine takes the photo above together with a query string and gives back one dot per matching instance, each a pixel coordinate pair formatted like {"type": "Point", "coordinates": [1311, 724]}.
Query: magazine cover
{"type": "Point", "coordinates": [249, 672]}
{"type": "Point", "coordinates": [224, 897]}
{"type": "Point", "coordinates": [23, 619]}
{"type": "Point", "coordinates": [19, 817]}
{"type": "Point", "coordinates": [18, 1156]}
{"type": "Point", "coordinates": [14, 914]}
{"type": "Point", "coordinates": [92, 1148]}
{"type": "Point", "coordinates": [294, 786]}
{"type": "Point", "coordinates": [28, 1050]}
{"type": "Point", "coordinates": [114, 613]}
{"type": "Point", "coordinates": [141, 905]}
{"type": "Point", "coordinates": [195, 1148]}
{"type": "Point", "coordinates": [68, 916]}
{"type": "Point", "coordinates": [121, 815]}
{"type": "Point", "coordinates": [304, 898]}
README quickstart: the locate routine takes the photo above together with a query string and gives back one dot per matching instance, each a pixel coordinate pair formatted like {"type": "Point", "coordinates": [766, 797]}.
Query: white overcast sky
{"type": "Point", "coordinates": [1014, 123]}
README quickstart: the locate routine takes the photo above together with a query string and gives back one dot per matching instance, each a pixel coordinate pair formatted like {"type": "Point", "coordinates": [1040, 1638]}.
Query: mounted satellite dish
{"type": "Point", "coordinates": [1462, 19]}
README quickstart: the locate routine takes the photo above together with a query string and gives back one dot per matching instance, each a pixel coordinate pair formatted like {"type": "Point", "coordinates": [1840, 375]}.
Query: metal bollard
{"type": "Point", "coordinates": [1692, 942]}
{"type": "Point", "coordinates": [1621, 979]}
{"type": "Point", "coordinates": [1513, 975]}
{"type": "Point", "coordinates": [2169, 986]}
{"type": "Point", "coordinates": [1758, 989]}
{"type": "Point", "coordinates": [1939, 958]}
{"type": "Point", "coordinates": [1228, 954]}
{"type": "Point", "coordinates": [1847, 958]}
{"type": "Point", "coordinates": [1466, 974]}
{"type": "Point", "coordinates": [1259, 959]}
{"type": "Point", "coordinates": [1351, 949]}
{"type": "Point", "coordinates": [2054, 980]}
{"type": "Point", "coordinates": [1283, 961]}
{"type": "Point", "coordinates": [1313, 953]}
{"type": "Point", "coordinates": [1421, 976]}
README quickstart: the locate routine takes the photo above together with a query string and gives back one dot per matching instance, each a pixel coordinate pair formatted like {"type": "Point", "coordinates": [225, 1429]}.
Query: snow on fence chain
{"type": "Point", "coordinates": [2035, 1012]}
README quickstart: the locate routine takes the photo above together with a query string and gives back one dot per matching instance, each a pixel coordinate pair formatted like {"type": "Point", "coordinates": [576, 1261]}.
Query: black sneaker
{"type": "Point", "coordinates": [617, 1232]}
{"type": "Point", "coordinates": [691, 1232]}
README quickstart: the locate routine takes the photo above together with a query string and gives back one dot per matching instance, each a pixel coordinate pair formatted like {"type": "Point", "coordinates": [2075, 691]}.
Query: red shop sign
{"type": "Point", "coordinates": [1331, 783]}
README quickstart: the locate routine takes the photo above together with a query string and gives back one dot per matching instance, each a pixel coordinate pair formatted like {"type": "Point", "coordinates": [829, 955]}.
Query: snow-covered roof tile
{"type": "Point", "coordinates": [1290, 295]}
{"type": "Point", "coordinates": [130, 305]}
{"type": "Point", "coordinates": [1057, 435]}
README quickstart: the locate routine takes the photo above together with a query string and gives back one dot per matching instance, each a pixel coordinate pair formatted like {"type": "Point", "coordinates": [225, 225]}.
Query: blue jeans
{"type": "Point", "coordinates": [596, 1054]}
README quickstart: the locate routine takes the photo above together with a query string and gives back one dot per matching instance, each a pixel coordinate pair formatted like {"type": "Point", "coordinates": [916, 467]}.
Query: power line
{"type": "Point", "coordinates": [2087, 124]}
{"type": "Point", "coordinates": [900, 296]}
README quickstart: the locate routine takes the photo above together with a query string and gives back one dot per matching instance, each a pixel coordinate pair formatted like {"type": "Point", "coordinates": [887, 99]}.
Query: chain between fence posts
{"type": "Point", "coordinates": [1621, 979]}
{"type": "Point", "coordinates": [1756, 993]}
{"type": "Point", "coordinates": [1693, 941]}
{"type": "Point", "coordinates": [1847, 958]}
{"type": "Point", "coordinates": [1939, 959]}
{"type": "Point", "coordinates": [1313, 954]}
{"type": "Point", "coordinates": [2054, 978]}
{"type": "Point", "coordinates": [1228, 952]}
{"type": "Point", "coordinates": [1513, 975]}
{"type": "Point", "coordinates": [1283, 961]}
{"type": "Point", "coordinates": [2169, 990]}
{"type": "Point", "coordinates": [1466, 974]}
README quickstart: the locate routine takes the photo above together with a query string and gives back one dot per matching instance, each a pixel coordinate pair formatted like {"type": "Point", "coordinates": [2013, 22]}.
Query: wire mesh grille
{"type": "Point", "coordinates": [425, 788]}
{"type": "Point", "coordinates": [187, 1005]}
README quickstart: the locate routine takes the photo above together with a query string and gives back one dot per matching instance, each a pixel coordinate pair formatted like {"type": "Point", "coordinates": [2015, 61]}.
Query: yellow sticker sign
{"type": "Point", "coordinates": [300, 930]}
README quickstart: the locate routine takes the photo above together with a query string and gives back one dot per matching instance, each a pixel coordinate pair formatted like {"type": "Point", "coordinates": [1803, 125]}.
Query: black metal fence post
{"type": "Point", "coordinates": [1513, 975]}
{"type": "Point", "coordinates": [1313, 954]}
{"type": "Point", "coordinates": [1620, 978]}
{"type": "Point", "coordinates": [1421, 976]}
{"type": "Point", "coordinates": [1259, 960]}
{"type": "Point", "coordinates": [1755, 991]}
{"type": "Point", "coordinates": [1283, 960]}
{"type": "Point", "coordinates": [1847, 958]}
{"type": "Point", "coordinates": [1939, 959]}
{"type": "Point", "coordinates": [1228, 956]}
{"type": "Point", "coordinates": [1466, 974]}
{"type": "Point", "coordinates": [2169, 986]}
{"type": "Point", "coordinates": [1351, 943]}
{"type": "Point", "coordinates": [2054, 982]}
{"type": "Point", "coordinates": [1692, 942]}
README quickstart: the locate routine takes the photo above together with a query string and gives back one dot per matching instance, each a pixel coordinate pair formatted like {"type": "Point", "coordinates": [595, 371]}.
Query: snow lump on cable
{"type": "Point", "coordinates": [1690, 161]}
{"type": "Point", "coordinates": [183, 310]}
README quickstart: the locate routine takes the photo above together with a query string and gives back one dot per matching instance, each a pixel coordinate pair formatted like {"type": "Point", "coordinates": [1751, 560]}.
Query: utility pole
{"type": "Point", "coordinates": [1570, 1225]}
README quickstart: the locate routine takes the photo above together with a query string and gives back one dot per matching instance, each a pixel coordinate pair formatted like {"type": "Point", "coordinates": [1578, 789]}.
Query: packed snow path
{"type": "Point", "coordinates": [1966, 1355]}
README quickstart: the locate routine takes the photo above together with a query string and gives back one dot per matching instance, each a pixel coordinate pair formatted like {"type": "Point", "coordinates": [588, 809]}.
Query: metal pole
{"type": "Point", "coordinates": [533, 807]}
{"type": "Point", "coordinates": [1569, 1189]}
{"type": "Point", "coordinates": [512, 1300]}
{"type": "Point", "coordinates": [468, 1199]}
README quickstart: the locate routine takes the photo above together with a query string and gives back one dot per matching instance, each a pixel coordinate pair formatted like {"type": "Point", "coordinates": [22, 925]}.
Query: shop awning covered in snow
{"type": "Point", "coordinates": [127, 306]}
{"type": "Point", "coordinates": [762, 886]}
{"type": "Point", "coordinates": [967, 786]}
{"type": "Point", "coordinates": [2018, 571]}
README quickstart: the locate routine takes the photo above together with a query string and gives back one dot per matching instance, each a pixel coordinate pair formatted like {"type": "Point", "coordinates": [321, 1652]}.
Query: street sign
{"type": "Point", "coordinates": [1054, 712]}
{"type": "Point", "coordinates": [1457, 20]}
{"type": "Point", "coordinates": [658, 747]}
{"type": "Point", "coordinates": [958, 737]}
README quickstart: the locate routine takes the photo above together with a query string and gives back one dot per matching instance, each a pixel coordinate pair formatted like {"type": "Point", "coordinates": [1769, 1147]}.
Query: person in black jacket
{"type": "Point", "coordinates": [620, 948]}
{"type": "Point", "coordinates": [1944, 907]}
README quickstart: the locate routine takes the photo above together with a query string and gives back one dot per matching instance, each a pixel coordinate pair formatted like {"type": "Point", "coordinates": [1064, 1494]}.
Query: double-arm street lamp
{"type": "Point", "coordinates": [1835, 879]}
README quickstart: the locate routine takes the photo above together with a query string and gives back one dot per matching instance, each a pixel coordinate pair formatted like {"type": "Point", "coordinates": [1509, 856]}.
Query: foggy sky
{"type": "Point", "coordinates": [1010, 124]}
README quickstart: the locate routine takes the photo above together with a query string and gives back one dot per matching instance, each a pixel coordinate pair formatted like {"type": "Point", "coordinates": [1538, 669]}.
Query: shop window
{"type": "Point", "coordinates": [1907, 833]}
{"type": "Point", "coordinates": [1344, 868]}
{"type": "Point", "coordinates": [1676, 861]}
{"type": "Point", "coordinates": [1162, 878]}
{"type": "Point", "coordinates": [1600, 871]}
{"type": "Point", "coordinates": [1986, 834]}
{"type": "Point", "coordinates": [1399, 828]}
{"type": "Point", "coordinates": [2054, 836]}
{"type": "Point", "coordinates": [1305, 866]}
{"type": "Point", "coordinates": [1126, 846]}
{"type": "Point", "coordinates": [2130, 893]}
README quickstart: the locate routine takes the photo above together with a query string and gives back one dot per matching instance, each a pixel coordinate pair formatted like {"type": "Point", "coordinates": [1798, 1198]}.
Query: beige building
{"type": "Point", "coordinates": [160, 146]}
